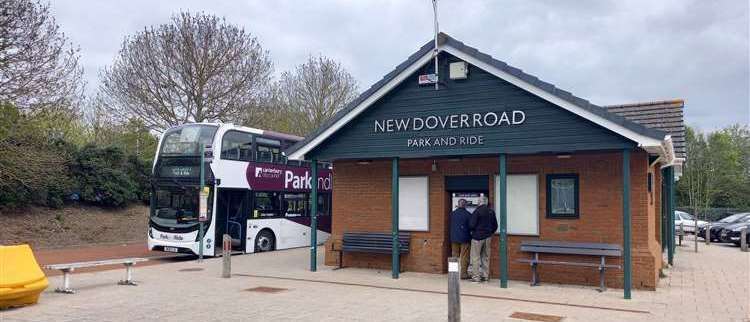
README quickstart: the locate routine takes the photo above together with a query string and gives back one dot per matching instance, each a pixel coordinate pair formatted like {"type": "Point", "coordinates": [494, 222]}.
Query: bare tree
{"type": "Point", "coordinates": [38, 65]}
{"type": "Point", "coordinates": [196, 68]}
{"type": "Point", "coordinates": [305, 98]}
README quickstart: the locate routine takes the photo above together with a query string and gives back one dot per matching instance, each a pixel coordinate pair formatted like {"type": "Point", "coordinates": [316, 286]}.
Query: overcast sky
{"type": "Point", "coordinates": [609, 52]}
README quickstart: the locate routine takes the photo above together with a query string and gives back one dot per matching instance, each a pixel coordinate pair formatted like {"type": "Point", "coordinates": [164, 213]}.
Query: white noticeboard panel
{"type": "Point", "coordinates": [413, 204]}
{"type": "Point", "coordinates": [523, 204]}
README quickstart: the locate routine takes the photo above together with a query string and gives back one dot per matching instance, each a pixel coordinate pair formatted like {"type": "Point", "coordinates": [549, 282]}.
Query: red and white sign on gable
{"type": "Point", "coordinates": [427, 79]}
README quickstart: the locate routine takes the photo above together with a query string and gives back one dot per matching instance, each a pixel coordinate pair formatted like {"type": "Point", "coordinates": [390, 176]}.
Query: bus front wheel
{"type": "Point", "coordinates": [265, 241]}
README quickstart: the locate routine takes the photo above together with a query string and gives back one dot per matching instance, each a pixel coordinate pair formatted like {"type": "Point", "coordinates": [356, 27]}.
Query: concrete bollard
{"type": "Point", "coordinates": [226, 254]}
{"type": "Point", "coordinates": [708, 233]}
{"type": "Point", "coordinates": [454, 292]}
{"type": "Point", "coordinates": [743, 239]}
{"type": "Point", "coordinates": [681, 234]}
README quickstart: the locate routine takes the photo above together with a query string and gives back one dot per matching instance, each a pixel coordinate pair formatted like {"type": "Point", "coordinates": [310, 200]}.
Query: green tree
{"type": "Point", "coordinates": [717, 171]}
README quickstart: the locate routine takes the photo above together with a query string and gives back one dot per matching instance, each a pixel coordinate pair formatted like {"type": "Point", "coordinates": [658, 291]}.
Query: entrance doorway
{"type": "Point", "coordinates": [470, 188]}
{"type": "Point", "coordinates": [232, 207]}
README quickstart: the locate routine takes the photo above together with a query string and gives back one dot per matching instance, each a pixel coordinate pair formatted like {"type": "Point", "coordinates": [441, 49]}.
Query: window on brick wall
{"type": "Point", "coordinates": [523, 204]}
{"type": "Point", "coordinates": [413, 204]}
{"type": "Point", "coordinates": [562, 196]}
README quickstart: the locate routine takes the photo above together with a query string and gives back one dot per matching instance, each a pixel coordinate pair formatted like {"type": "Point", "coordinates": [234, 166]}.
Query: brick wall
{"type": "Point", "coordinates": [362, 202]}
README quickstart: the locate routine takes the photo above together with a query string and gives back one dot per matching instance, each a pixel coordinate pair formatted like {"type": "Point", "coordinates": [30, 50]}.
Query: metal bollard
{"type": "Point", "coordinates": [226, 254]}
{"type": "Point", "coordinates": [743, 239]}
{"type": "Point", "coordinates": [454, 292]}
{"type": "Point", "coordinates": [708, 233]}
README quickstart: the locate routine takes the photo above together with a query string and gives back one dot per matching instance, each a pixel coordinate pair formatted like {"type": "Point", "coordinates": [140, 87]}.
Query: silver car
{"type": "Point", "coordinates": [687, 221]}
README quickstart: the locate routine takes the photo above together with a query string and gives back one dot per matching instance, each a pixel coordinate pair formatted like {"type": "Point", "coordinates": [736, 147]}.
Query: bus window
{"type": "Point", "coordinates": [237, 145]}
{"type": "Point", "coordinates": [324, 204]}
{"type": "Point", "coordinates": [186, 140]}
{"type": "Point", "coordinates": [268, 154]}
{"type": "Point", "coordinates": [294, 204]}
{"type": "Point", "coordinates": [176, 206]}
{"type": "Point", "coordinates": [266, 205]}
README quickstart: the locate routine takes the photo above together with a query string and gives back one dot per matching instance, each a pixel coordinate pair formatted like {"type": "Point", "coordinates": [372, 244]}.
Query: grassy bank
{"type": "Point", "coordinates": [73, 225]}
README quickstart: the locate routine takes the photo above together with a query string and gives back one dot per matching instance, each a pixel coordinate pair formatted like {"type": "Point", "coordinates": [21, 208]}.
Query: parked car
{"type": "Point", "coordinates": [717, 226]}
{"type": "Point", "coordinates": [733, 232]}
{"type": "Point", "coordinates": [687, 221]}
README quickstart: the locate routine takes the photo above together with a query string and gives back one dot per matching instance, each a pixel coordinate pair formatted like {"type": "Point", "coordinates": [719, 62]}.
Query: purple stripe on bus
{"type": "Point", "coordinates": [324, 222]}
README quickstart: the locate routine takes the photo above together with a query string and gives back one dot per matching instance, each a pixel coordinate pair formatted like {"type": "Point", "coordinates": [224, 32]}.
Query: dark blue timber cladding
{"type": "Point", "coordinates": [547, 127]}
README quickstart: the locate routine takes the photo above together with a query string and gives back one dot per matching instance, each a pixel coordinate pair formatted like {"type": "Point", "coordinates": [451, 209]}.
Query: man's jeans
{"type": "Point", "coordinates": [480, 259]}
{"type": "Point", "coordinates": [461, 251]}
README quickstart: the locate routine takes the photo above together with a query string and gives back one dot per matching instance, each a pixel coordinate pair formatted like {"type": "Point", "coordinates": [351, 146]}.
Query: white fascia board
{"type": "Point", "coordinates": [642, 140]}
{"type": "Point", "coordinates": [300, 153]}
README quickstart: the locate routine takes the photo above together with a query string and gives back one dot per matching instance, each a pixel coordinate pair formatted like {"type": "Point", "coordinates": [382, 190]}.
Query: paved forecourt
{"type": "Point", "coordinates": [709, 286]}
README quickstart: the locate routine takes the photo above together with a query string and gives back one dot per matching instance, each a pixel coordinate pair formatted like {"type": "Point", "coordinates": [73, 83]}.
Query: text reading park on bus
{"type": "Point", "coordinates": [254, 194]}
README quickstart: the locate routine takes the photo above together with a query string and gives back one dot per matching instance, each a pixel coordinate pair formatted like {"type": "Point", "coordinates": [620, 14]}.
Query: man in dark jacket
{"type": "Point", "coordinates": [483, 224]}
{"type": "Point", "coordinates": [460, 236]}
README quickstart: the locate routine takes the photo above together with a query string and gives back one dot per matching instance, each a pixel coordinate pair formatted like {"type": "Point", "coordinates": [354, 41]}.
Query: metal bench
{"type": "Point", "coordinates": [369, 242]}
{"type": "Point", "coordinates": [537, 247]}
{"type": "Point", "coordinates": [68, 268]}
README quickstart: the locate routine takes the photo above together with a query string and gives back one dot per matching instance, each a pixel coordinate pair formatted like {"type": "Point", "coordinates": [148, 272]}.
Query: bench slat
{"type": "Point", "coordinates": [95, 263]}
{"type": "Point", "coordinates": [572, 251]}
{"type": "Point", "coordinates": [565, 244]}
{"type": "Point", "coordinates": [374, 242]}
{"type": "Point", "coordinates": [568, 263]}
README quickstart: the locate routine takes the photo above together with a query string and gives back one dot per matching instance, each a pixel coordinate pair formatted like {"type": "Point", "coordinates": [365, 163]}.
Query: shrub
{"type": "Point", "coordinates": [102, 176]}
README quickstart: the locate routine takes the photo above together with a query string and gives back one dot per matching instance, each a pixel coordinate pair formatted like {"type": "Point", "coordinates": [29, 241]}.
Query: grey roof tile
{"type": "Point", "coordinates": [667, 116]}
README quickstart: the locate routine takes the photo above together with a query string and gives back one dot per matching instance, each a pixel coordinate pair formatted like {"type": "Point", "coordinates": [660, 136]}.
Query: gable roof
{"type": "Point", "coordinates": [667, 116]}
{"type": "Point", "coordinates": [648, 138]}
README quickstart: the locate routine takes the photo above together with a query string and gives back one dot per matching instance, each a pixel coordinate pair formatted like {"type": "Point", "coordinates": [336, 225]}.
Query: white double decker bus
{"type": "Point", "coordinates": [256, 196]}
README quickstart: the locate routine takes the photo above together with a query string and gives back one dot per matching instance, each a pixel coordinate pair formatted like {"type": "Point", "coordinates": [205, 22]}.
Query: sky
{"type": "Point", "coordinates": [609, 52]}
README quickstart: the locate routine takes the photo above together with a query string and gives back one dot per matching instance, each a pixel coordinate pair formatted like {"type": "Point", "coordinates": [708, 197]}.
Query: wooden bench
{"type": "Point", "coordinates": [68, 268]}
{"type": "Point", "coordinates": [369, 242]}
{"type": "Point", "coordinates": [537, 247]}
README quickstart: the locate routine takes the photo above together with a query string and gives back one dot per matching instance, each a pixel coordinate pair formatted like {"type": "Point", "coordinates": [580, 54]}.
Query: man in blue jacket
{"type": "Point", "coordinates": [483, 224]}
{"type": "Point", "coordinates": [460, 236]}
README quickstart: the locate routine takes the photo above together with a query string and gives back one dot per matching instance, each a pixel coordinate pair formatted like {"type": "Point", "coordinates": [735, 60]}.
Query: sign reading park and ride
{"type": "Point", "coordinates": [276, 177]}
{"type": "Point", "coordinates": [417, 125]}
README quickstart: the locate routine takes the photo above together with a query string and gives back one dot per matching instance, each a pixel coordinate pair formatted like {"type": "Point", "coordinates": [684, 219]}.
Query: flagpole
{"type": "Point", "coordinates": [435, 18]}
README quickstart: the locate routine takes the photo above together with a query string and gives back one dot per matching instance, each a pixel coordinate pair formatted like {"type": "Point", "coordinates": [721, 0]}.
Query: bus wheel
{"type": "Point", "coordinates": [265, 241]}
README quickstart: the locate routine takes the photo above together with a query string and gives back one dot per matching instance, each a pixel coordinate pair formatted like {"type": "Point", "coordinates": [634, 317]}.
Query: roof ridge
{"type": "Point", "coordinates": [679, 101]}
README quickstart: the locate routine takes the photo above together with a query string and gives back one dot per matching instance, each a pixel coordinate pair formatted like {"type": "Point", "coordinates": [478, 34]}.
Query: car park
{"type": "Point", "coordinates": [717, 226]}
{"type": "Point", "coordinates": [687, 222]}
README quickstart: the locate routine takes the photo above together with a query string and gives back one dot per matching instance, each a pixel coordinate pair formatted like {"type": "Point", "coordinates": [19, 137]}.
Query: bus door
{"type": "Point", "coordinates": [231, 216]}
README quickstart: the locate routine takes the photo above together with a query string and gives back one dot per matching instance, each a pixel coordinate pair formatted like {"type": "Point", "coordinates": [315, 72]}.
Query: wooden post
{"type": "Point", "coordinates": [454, 291]}
{"type": "Point", "coordinates": [626, 259]}
{"type": "Point", "coordinates": [503, 207]}
{"type": "Point", "coordinates": [695, 231]}
{"type": "Point", "coordinates": [226, 256]}
{"type": "Point", "coordinates": [395, 252]}
{"type": "Point", "coordinates": [743, 239]}
{"type": "Point", "coordinates": [314, 216]}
